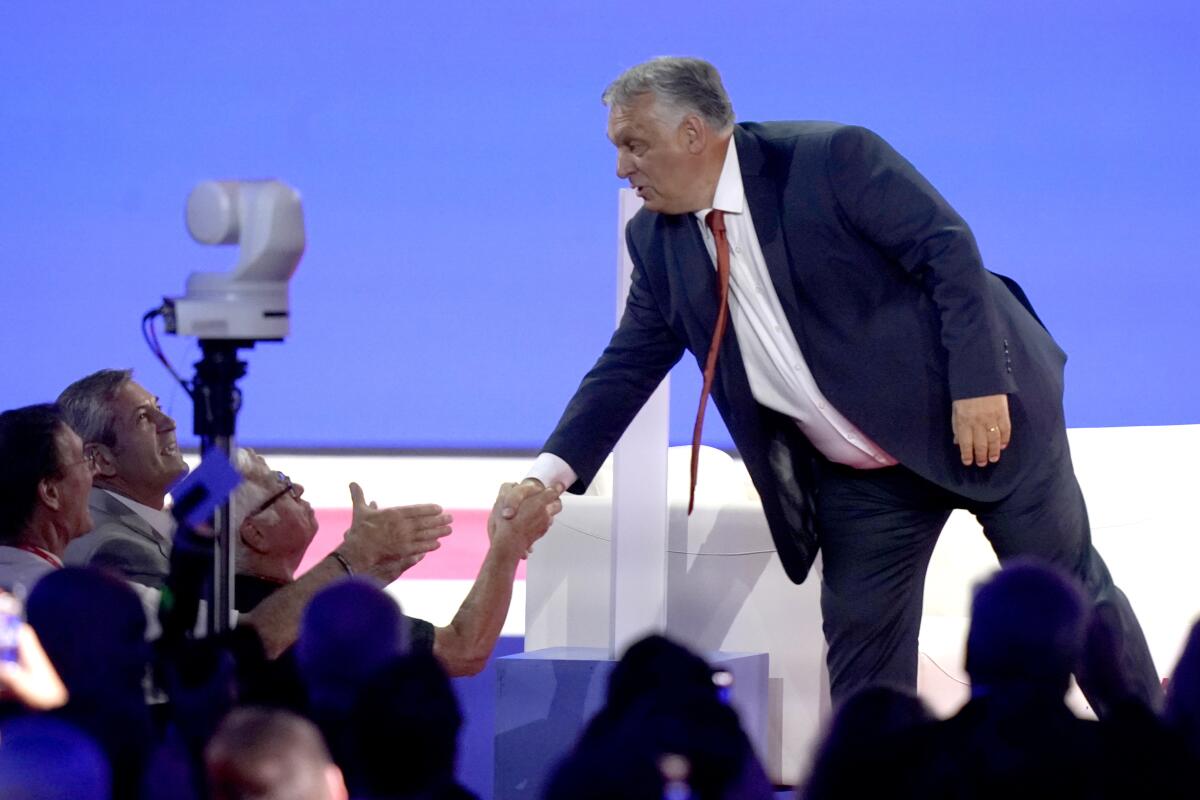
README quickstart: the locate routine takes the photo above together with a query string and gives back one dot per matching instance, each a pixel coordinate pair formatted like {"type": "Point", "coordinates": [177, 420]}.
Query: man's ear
{"type": "Point", "coordinates": [253, 537]}
{"type": "Point", "coordinates": [695, 133]}
{"type": "Point", "coordinates": [103, 457]}
{"type": "Point", "coordinates": [49, 493]}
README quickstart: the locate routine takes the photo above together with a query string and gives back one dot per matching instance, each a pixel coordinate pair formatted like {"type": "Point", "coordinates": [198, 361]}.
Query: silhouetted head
{"type": "Point", "coordinates": [655, 665]}
{"type": "Point", "coordinates": [625, 755]}
{"type": "Point", "coordinates": [93, 628]}
{"type": "Point", "coordinates": [852, 758]}
{"type": "Point", "coordinates": [1028, 623]}
{"type": "Point", "coordinates": [349, 630]}
{"type": "Point", "coordinates": [408, 707]}
{"type": "Point", "coordinates": [43, 758]}
{"type": "Point", "coordinates": [270, 754]}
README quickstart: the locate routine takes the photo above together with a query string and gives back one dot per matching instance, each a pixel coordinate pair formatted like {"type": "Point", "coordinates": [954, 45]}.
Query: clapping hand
{"type": "Point", "coordinates": [387, 541]}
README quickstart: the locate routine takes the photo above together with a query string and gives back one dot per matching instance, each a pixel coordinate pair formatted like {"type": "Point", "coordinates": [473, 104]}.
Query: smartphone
{"type": "Point", "coordinates": [11, 617]}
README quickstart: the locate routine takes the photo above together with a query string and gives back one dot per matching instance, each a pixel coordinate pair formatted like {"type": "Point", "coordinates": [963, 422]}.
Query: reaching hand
{"type": "Point", "coordinates": [387, 541]}
{"type": "Point", "coordinates": [32, 679]}
{"type": "Point", "coordinates": [511, 495]}
{"type": "Point", "coordinates": [533, 514]}
{"type": "Point", "coordinates": [981, 428]}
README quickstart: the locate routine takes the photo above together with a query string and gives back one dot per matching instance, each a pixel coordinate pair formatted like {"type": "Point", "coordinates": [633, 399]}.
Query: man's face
{"type": "Point", "coordinates": [288, 523]}
{"type": "Point", "coordinates": [74, 482]}
{"type": "Point", "coordinates": [658, 158]}
{"type": "Point", "coordinates": [146, 456]}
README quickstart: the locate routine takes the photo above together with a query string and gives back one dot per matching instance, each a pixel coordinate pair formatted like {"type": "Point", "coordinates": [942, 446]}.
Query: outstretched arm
{"type": "Point", "coordinates": [381, 543]}
{"type": "Point", "coordinates": [465, 644]}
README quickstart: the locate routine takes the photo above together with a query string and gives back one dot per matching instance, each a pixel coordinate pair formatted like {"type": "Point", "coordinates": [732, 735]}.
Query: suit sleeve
{"type": "Point", "coordinates": [892, 205]}
{"type": "Point", "coordinates": [641, 352]}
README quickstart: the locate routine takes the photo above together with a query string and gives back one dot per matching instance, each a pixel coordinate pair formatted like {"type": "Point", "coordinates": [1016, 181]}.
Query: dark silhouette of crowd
{"type": "Point", "coordinates": [332, 692]}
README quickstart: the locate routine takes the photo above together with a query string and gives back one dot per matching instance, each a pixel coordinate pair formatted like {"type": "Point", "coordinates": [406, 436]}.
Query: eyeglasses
{"type": "Point", "coordinates": [288, 488]}
{"type": "Point", "coordinates": [89, 458]}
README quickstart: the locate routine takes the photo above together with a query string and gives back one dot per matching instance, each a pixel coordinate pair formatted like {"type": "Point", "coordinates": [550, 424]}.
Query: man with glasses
{"type": "Point", "coordinates": [275, 526]}
{"type": "Point", "coordinates": [44, 482]}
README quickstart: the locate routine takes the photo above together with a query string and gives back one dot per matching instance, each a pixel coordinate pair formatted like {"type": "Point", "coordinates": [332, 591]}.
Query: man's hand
{"type": "Point", "coordinates": [511, 495]}
{"type": "Point", "coordinates": [386, 541]}
{"type": "Point", "coordinates": [532, 517]}
{"type": "Point", "coordinates": [981, 428]}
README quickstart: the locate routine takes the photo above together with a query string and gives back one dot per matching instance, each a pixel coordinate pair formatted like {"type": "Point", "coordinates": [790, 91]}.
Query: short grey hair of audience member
{"type": "Point", "coordinates": [248, 494]}
{"type": "Point", "coordinates": [87, 405]}
{"type": "Point", "coordinates": [681, 85]}
{"type": "Point", "coordinates": [266, 753]}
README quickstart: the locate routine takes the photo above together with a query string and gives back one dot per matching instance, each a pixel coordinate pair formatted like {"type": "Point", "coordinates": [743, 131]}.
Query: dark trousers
{"type": "Point", "coordinates": [878, 529]}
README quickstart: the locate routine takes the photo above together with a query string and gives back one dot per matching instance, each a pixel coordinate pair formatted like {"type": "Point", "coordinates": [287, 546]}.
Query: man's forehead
{"type": "Point", "coordinates": [633, 118]}
{"type": "Point", "coordinates": [133, 396]}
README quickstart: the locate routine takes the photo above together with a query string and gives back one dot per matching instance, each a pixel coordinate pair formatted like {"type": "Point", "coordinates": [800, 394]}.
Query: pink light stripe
{"type": "Point", "coordinates": [458, 558]}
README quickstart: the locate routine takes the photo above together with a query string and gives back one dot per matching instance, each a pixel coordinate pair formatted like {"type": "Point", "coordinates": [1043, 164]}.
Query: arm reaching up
{"type": "Point", "coordinates": [381, 543]}
{"type": "Point", "coordinates": [464, 645]}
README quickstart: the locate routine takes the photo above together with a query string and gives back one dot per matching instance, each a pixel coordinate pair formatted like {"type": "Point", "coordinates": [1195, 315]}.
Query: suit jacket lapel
{"type": "Point", "coordinates": [762, 194]}
{"type": "Point", "coordinates": [698, 276]}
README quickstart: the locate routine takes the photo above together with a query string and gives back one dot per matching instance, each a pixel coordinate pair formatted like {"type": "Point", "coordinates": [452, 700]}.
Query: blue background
{"type": "Point", "coordinates": [460, 197]}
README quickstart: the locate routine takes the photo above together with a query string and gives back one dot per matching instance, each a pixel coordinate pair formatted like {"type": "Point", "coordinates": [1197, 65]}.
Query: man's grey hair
{"type": "Point", "coordinates": [269, 754]}
{"type": "Point", "coordinates": [682, 85]}
{"type": "Point", "coordinates": [87, 405]}
{"type": "Point", "coordinates": [248, 494]}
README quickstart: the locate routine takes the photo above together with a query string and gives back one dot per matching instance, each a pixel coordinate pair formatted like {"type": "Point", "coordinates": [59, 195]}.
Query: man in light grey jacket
{"type": "Point", "coordinates": [132, 443]}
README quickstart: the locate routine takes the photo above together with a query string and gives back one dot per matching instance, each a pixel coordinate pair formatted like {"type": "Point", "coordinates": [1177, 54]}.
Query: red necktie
{"type": "Point", "coordinates": [716, 222]}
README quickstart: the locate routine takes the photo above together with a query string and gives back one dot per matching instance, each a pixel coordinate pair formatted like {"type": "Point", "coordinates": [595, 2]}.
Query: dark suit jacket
{"type": "Point", "coordinates": [886, 293]}
{"type": "Point", "coordinates": [121, 542]}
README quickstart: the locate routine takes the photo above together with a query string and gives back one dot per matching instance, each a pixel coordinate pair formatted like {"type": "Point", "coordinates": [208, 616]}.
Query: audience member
{"type": "Point", "coordinates": [648, 716]}
{"type": "Point", "coordinates": [137, 460]}
{"type": "Point", "coordinates": [1141, 757]}
{"type": "Point", "coordinates": [92, 626]}
{"type": "Point", "coordinates": [404, 733]}
{"type": "Point", "coordinates": [1182, 712]}
{"type": "Point", "coordinates": [1016, 737]}
{"type": "Point", "coordinates": [275, 526]}
{"type": "Point", "coordinates": [132, 442]}
{"type": "Point", "coordinates": [44, 483]}
{"type": "Point", "coordinates": [263, 754]}
{"type": "Point", "coordinates": [42, 758]}
{"type": "Point", "coordinates": [349, 631]}
{"type": "Point", "coordinates": [864, 752]}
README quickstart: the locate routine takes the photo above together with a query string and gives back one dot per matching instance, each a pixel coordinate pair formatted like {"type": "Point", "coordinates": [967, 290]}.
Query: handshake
{"type": "Point", "coordinates": [385, 542]}
{"type": "Point", "coordinates": [526, 507]}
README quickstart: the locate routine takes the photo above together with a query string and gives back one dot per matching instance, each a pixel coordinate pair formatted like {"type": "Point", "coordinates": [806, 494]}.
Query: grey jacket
{"type": "Point", "coordinates": [121, 542]}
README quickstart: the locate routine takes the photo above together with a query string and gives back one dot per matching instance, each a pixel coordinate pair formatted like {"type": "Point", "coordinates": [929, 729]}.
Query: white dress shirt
{"type": "Point", "coordinates": [159, 519]}
{"type": "Point", "coordinates": [779, 376]}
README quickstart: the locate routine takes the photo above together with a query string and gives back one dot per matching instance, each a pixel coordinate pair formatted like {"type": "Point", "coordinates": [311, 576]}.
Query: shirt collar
{"type": "Point", "coordinates": [158, 519]}
{"type": "Point", "coordinates": [730, 196]}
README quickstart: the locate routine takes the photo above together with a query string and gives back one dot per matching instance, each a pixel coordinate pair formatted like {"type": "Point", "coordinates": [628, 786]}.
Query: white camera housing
{"type": "Point", "coordinates": [250, 302]}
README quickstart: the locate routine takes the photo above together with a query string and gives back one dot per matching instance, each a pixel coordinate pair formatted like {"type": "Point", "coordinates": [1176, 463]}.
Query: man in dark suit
{"type": "Point", "coordinates": [873, 374]}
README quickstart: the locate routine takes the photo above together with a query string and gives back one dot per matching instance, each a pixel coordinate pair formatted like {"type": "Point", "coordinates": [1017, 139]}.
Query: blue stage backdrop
{"type": "Point", "coordinates": [460, 193]}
